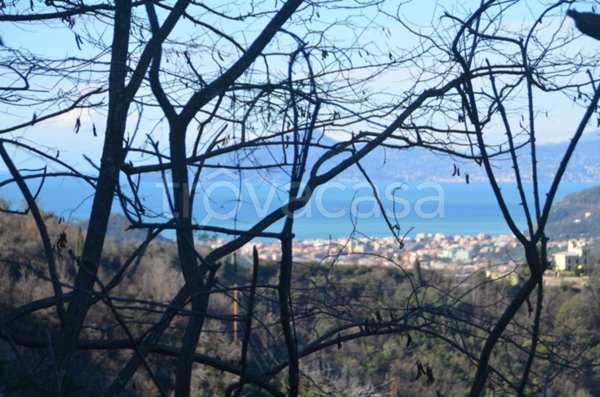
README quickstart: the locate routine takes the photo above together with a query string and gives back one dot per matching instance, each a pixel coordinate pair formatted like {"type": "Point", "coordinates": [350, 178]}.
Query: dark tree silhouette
{"type": "Point", "coordinates": [587, 22]}
{"type": "Point", "coordinates": [252, 90]}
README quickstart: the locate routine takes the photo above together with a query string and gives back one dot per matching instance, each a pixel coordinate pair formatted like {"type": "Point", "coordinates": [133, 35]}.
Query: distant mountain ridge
{"type": "Point", "coordinates": [418, 164]}
{"type": "Point", "coordinates": [414, 164]}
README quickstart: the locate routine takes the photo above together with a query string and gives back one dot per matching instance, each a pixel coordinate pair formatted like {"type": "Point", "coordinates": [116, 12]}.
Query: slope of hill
{"type": "Point", "coordinates": [118, 229]}
{"type": "Point", "coordinates": [577, 215]}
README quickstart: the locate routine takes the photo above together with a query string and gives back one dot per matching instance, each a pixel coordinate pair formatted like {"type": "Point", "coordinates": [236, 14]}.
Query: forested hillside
{"type": "Point", "coordinates": [375, 298]}
{"type": "Point", "coordinates": [577, 215]}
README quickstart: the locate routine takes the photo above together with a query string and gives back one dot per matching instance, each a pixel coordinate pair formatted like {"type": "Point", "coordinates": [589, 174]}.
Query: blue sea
{"type": "Point", "coordinates": [335, 210]}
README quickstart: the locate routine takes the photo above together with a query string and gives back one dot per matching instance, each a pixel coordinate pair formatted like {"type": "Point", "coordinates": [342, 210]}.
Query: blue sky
{"type": "Point", "coordinates": [57, 40]}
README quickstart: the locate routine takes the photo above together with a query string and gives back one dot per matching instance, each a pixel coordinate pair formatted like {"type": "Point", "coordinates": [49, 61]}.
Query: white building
{"type": "Point", "coordinates": [458, 254]}
{"type": "Point", "coordinates": [575, 257]}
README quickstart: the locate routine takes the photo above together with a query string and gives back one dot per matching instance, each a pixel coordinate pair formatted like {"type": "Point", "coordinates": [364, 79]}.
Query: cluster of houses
{"type": "Point", "coordinates": [440, 251]}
